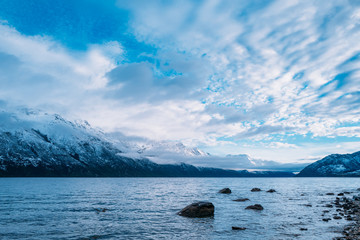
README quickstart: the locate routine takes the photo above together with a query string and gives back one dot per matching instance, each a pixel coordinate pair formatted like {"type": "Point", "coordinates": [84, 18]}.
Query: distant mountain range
{"type": "Point", "coordinates": [37, 144]}
{"type": "Point", "coordinates": [335, 165]}
{"type": "Point", "coordinates": [34, 143]}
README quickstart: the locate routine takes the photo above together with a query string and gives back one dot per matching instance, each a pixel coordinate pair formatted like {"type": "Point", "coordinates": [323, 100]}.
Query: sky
{"type": "Point", "coordinates": [277, 80]}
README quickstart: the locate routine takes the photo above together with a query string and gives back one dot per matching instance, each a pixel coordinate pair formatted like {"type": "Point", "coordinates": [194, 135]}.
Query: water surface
{"type": "Point", "coordinates": [145, 208]}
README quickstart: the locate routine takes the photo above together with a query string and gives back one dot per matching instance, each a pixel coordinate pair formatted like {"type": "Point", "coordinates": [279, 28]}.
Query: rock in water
{"type": "Point", "coordinates": [225, 191]}
{"type": "Point", "coordinates": [198, 210]}
{"type": "Point", "coordinates": [238, 228]}
{"type": "Point", "coordinates": [98, 210]}
{"type": "Point", "coordinates": [271, 190]}
{"type": "Point", "coordinates": [255, 207]}
{"type": "Point", "coordinates": [241, 200]}
{"type": "Point", "coordinates": [256, 190]}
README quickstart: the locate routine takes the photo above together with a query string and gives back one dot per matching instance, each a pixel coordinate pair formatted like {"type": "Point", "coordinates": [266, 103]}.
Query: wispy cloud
{"type": "Point", "coordinates": [195, 71]}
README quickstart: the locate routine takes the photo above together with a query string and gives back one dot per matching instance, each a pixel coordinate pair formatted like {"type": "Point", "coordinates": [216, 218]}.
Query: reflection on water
{"type": "Point", "coordinates": [145, 208]}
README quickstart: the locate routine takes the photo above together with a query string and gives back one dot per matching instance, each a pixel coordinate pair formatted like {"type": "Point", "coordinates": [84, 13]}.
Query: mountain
{"type": "Point", "coordinates": [246, 162]}
{"type": "Point", "coordinates": [166, 152]}
{"type": "Point", "coordinates": [158, 151]}
{"type": "Point", "coordinates": [335, 165]}
{"type": "Point", "coordinates": [34, 144]}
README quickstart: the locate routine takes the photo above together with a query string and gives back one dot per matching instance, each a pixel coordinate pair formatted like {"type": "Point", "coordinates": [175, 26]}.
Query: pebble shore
{"type": "Point", "coordinates": [349, 208]}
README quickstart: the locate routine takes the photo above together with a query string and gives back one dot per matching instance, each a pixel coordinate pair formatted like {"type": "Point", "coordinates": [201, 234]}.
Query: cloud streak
{"type": "Point", "coordinates": [208, 73]}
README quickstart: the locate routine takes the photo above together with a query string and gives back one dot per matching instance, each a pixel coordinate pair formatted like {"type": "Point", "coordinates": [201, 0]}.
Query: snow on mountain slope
{"type": "Point", "coordinates": [153, 148]}
{"type": "Point", "coordinates": [244, 161]}
{"type": "Point", "coordinates": [31, 124]}
{"type": "Point", "coordinates": [166, 152]}
{"type": "Point", "coordinates": [37, 144]}
{"type": "Point", "coordinates": [335, 165]}
{"type": "Point", "coordinates": [34, 143]}
{"type": "Point", "coordinates": [158, 151]}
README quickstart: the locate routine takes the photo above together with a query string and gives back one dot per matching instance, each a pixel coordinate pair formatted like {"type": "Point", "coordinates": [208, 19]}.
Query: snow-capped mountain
{"type": "Point", "coordinates": [34, 143]}
{"type": "Point", "coordinates": [37, 143]}
{"type": "Point", "coordinates": [244, 161]}
{"type": "Point", "coordinates": [158, 151]}
{"type": "Point", "coordinates": [334, 165]}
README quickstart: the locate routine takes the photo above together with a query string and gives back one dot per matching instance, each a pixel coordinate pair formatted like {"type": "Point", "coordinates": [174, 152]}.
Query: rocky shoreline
{"type": "Point", "coordinates": [346, 206]}
{"type": "Point", "coordinates": [349, 208]}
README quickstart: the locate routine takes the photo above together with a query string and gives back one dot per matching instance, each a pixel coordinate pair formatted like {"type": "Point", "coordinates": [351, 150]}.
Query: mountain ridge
{"type": "Point", "coordinates": [37, 144]}
{"type": "Point", "coordinates": [334, 165]}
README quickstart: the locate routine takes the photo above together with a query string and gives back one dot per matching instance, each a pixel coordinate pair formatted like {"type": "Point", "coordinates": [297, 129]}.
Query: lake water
{"type": "Point", "coordinates": [145, 208]}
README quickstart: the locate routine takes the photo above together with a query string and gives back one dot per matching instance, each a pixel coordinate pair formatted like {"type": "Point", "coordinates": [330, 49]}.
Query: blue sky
{"type": "Point", "coordinates": [278, 80]}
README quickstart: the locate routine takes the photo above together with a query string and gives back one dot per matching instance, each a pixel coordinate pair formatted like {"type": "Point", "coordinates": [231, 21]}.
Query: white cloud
{"type": "Point", "coordinates": [44, 73]}
{"type": "Point", "coordinates": [221, 69]}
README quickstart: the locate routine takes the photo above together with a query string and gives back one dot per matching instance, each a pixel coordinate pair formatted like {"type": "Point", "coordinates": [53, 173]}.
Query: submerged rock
{"type": "Point", "coordinates": [198, 210]}
{"type": "Point", "coordinates": [255, 207]}
{"type": "Point", "coordinates": [93, 237]}
{"type": "Point", "coordinates": [241, 200]}
{"type": "Point", "coordinates": [99, 210]}
{"type": "Point", "coordinates": [238, 228]}
{"type": "Point", "coordinates": [271, 190]}
{"type": "Point", "coordinates": [256, 190]}
{"type": "Point", "coordinates": [225, 191]}
{"type": "Point", "coordinates": [356, 198]}
{"type": "Point", "coordinates": [330, 194]}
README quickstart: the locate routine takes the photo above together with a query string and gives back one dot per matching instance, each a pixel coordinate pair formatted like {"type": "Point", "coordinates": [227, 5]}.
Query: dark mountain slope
{"type": "Point", "coordinates": [335, 165]}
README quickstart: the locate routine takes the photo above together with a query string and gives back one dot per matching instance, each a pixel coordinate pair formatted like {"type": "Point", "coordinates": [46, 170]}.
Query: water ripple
{"type": "Point", "coordinates": [145, 208]}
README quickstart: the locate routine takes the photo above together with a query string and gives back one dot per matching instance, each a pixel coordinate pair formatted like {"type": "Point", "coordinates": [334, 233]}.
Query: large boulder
{"type": "Point", "coordinates": [225, 191]}
{"type": "Point", "coordinates": [198, 210]}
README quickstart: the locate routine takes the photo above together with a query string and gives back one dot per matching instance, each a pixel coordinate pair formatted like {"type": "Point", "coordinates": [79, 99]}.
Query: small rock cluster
{"type": "Point", "coordinates": [346, 208]}
{"type": "Point", "coordinates": [350, 210]}
{"type": "Point", "coordinates": [207, 209]}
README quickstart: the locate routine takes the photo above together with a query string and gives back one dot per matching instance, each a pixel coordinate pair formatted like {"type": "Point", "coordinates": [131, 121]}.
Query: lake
{"type": "Point", "coordinates": [145, 208]}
